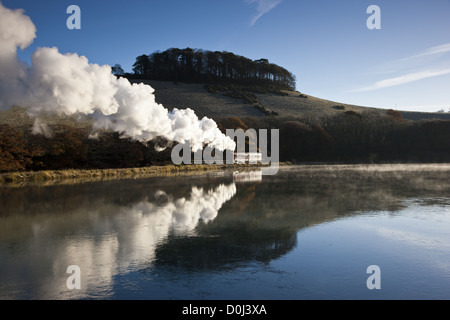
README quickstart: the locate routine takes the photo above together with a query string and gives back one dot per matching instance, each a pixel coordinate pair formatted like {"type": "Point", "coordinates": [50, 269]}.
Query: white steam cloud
{"type": "Point", "coordinates": [68, 84]}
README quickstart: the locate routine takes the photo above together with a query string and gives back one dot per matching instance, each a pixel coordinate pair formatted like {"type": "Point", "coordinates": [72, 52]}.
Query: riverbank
{"type": "Point", "coordinates": [91, 175]}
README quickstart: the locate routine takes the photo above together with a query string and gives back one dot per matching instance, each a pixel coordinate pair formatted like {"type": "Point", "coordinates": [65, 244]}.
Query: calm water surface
{"type": "Point", "coordinates": [306, 233]}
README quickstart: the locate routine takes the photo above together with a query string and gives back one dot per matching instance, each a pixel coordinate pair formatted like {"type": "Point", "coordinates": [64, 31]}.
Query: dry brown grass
{"type": "Point", "coordinates": [19, 118]}
{"type": "Point", "coordinates": [79, 176]}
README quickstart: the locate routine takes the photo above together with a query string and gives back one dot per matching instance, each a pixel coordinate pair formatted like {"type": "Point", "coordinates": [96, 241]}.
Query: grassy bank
{"type": "Point", "coordinates": [91, 175]}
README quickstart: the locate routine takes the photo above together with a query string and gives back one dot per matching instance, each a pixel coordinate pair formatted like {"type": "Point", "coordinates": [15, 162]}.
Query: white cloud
{"type": "Point", "coordinates": [429, 63]}
{"type": "Point", "coordinates": [444, 48]}
{"type": "Point", "coordinates": [407, 78]}
{"type": "Point", "coordinates": [263, 7]}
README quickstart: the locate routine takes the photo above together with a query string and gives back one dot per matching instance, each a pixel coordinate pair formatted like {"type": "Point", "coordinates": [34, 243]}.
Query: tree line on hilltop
{"type": "Point", "coordinates": [196, 65]}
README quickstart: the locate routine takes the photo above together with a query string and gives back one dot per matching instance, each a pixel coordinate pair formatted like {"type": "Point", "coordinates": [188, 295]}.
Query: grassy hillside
{"type": "Point", "coordinates": [311, 130]}
{"type": "Point", "coordinates": [291, 104]}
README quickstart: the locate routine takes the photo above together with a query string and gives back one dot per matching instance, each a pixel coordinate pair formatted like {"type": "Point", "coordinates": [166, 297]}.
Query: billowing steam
{"type": "Point", "coordinates": [68, 84]}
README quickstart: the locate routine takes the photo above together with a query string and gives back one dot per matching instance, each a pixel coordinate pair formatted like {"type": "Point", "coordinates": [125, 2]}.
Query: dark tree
{"type": "Point", "coordinates": [142, 65]}
{"type": "Point", "coordinates": [14, 154]}
{"type": "Point", "coordinates": [191, 65]}
{"type": "Point", "coordinates": [117, 70]}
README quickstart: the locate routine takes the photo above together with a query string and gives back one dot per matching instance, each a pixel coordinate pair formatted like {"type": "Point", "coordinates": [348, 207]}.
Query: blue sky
{"type": "Point", "coordinates": [405, 65]}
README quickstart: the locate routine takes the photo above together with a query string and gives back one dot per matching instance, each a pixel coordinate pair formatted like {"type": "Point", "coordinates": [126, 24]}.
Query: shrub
{"type": "Point", "coordinates": [246, 97]}
{"type": "Point", "coordinates": [265, 110]}
{"type": "Point", "coordinates": [232, 123]}
{"type": "Point", "coordinates": [14, 152]}
{"type": "Point", "coordinates": [353, 114]}
{"type": "Point", "coordinates": [303, 142]}
{"type": "Point", "coordinates": [395, 115]}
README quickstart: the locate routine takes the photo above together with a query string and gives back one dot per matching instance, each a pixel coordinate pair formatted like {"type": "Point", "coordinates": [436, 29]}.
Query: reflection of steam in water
{"type": "Point", "coordinates": [144, 226]}
{"type": "Point", "coordinates": [148, 224]}
{"type": "Point", "coordinates": [122, 242]}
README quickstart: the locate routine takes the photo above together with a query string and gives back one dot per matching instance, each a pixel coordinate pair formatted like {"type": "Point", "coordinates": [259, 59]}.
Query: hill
{"type": "Point", "coordinates": [311, 130]}
{"type": "Point", "coordinates": [216, 105]}
{"type": "Point", "coordinates": [285, 103]}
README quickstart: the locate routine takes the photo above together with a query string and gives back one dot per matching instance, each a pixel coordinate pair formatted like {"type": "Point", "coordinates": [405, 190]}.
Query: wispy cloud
{"type": "Point", "coordinates": [421, 64]}
{"type": "Point", "coordinates": [407, 78]}
{"type": "Point", "coordinates": [263, 7]}
{"type": "Point", "coordinates": [444, 48]}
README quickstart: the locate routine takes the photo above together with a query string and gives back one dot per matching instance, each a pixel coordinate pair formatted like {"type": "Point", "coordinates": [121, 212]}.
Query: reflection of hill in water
{"type": "Point", "coordinates": [232, 246]}
{"type": "Point", "coordinates": [261, 222]}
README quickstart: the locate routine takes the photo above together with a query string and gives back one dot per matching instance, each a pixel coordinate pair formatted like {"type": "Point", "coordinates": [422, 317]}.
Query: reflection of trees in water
{"type": "Point", "coordinates": [261, 222]}
{"type": "Point", "coordinates": [37, 199]}
{"type": "Point", "coordinates": [226, 250]}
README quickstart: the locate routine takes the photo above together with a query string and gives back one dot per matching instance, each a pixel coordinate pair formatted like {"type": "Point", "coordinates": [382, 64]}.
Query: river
{"type": "Point", "coordinates": [309, 232]}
